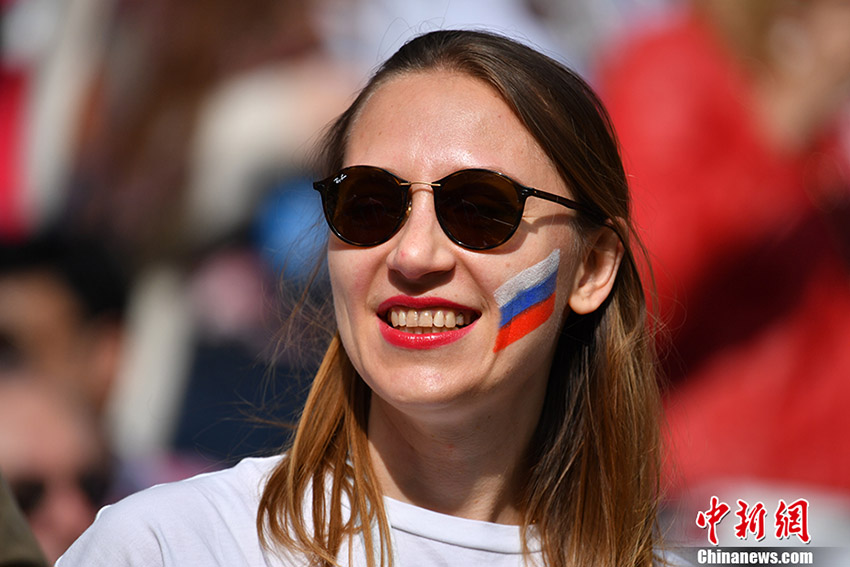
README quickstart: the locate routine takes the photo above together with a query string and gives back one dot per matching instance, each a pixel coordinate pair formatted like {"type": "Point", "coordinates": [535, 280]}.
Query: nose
{"type": "Point", "coordinates": [420, 248]}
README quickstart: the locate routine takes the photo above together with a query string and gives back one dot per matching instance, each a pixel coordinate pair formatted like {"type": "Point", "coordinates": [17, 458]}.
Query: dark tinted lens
{"type": "Point", "coordinates": [95, 485]}
{"type": "Point", "coordinates": [28, 493]}
{"type": "Point", "coordinates": [478, 209]}
{"type": "Point", "coordinates": [365, 205]}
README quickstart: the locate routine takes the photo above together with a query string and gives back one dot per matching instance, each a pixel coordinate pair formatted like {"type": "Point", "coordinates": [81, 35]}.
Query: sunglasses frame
{"type": "Point", "coordinates": [523, 192]}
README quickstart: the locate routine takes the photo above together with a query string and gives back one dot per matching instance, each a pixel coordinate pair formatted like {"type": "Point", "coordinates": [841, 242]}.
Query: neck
{"type": "Point", "coordinates": [472, 469]}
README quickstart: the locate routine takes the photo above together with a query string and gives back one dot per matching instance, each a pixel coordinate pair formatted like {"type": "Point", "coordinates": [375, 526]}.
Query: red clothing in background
{"type": "Point", "coordinates": [751, 253]}
{"type": "Point", "coordinates": [12, 104]}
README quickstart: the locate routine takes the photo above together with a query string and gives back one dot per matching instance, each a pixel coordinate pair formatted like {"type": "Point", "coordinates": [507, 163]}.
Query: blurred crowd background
{"type": "Point", "coordinates": [157, 224]}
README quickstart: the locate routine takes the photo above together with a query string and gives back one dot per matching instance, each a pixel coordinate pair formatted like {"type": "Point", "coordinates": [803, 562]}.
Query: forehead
{"type": "Point", "coordinates": [437, 122]}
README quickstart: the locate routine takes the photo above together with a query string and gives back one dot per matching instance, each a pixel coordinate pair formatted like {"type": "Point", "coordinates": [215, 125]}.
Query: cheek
{"type": "Point", "coordinates": [341, 278]}
{"type": "Point", "coordinates": [349, 271]}
{"type": "Point", "coordinates": [527, 300]}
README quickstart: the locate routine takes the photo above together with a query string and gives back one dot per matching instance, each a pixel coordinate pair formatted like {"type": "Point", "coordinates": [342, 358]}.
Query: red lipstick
{"type": "Point", "coordinates": [417, 341]}
{"type": "Point", "coordinates": [418, 303]}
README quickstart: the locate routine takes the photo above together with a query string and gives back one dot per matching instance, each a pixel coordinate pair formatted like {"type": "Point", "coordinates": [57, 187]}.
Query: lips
{"type": "Point", "coordinates": [424, 322]}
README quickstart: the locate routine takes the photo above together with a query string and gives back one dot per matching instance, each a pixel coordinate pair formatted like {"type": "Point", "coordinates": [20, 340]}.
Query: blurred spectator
{"type": "Point", "coordinates": [363, 33]}
{"type": "Point", "coordinates": [202, 108]}
{"type": "Point", "coordinates": [62, 304]}
{"type": "Point", "coordinates": [228, 387]}
{"type": "Point", "coordinates": [19, 547]}
{"type": "Point", "coordinates": [143, 114]}
{"type": "Point", "coordinates": [582, 27]}
{"type": "Point", "coordinates": [52, 455]}
{"type": "Point", "coordinates": [730, 115]}
{"type": "Point", "coordinates": [49, 51]}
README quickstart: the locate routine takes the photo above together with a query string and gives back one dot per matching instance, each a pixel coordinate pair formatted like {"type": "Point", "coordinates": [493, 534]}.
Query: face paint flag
{"type": "Point", "coordinates": [527, 300]}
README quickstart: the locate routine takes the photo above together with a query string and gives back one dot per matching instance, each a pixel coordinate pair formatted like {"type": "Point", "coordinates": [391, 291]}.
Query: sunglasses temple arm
{"type": "Point", "coordinates": [576, 206]}
{"type": "Point", "coordinates": [569, 203]}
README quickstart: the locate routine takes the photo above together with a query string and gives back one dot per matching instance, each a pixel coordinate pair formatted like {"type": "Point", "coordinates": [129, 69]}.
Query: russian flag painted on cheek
{"type": "Point", "coordinates": [527, 300]}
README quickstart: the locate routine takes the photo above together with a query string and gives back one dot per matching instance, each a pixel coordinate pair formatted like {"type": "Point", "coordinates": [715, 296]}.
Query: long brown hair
{"type": "Point", "coordinates": [592, 489]}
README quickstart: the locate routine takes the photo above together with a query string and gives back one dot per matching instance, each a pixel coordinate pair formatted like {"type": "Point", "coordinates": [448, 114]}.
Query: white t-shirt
{"type": "Point", "coordinates": [210, 520]}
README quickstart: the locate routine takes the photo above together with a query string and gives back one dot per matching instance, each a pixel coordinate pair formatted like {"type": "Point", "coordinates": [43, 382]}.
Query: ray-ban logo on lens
{"type": "Point", "coordinates": [340, 178]}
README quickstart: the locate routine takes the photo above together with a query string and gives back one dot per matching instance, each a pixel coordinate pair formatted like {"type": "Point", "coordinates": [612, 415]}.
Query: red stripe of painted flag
{"type": "Point", "coordinates": [525, 322]}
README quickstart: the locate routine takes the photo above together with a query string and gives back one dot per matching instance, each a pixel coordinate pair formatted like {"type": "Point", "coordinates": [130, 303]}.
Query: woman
{"type": "Point", "coordinates": [490, 396]}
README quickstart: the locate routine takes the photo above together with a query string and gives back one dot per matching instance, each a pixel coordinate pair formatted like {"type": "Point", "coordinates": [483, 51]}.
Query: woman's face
{"type": "Point", "coordinates": [421, 127]}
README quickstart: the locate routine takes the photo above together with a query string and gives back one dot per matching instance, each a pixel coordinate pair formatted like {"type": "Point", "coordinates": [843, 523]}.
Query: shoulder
{"type": "Point", "coordinates": [207, 517]}
{"type": "Point", "coordinates": [235, 490]}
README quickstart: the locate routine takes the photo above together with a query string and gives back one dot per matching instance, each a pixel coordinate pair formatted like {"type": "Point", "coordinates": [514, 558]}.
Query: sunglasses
{"type": "Point", "coordinates": [30, 491]}
{"type": "Point", "coordinates": [478, 209]}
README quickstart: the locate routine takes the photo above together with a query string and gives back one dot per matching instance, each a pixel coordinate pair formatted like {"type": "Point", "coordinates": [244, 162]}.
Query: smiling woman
{"type": "Point", "coordinates": [489, 397]}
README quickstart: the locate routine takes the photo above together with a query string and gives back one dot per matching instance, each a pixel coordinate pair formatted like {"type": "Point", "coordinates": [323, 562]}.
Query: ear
{"type": "Point", "coordinates": [597, 272]}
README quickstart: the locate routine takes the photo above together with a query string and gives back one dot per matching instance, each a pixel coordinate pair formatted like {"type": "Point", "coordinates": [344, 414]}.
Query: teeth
{"type": "Point", "coordinates": [439, 319]}
{"type": "Point", "coordinates": [428, 320]}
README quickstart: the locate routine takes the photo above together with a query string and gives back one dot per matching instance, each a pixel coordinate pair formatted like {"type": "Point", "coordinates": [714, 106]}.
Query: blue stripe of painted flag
{"type": "Point", "coordinates": [527, 298]}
